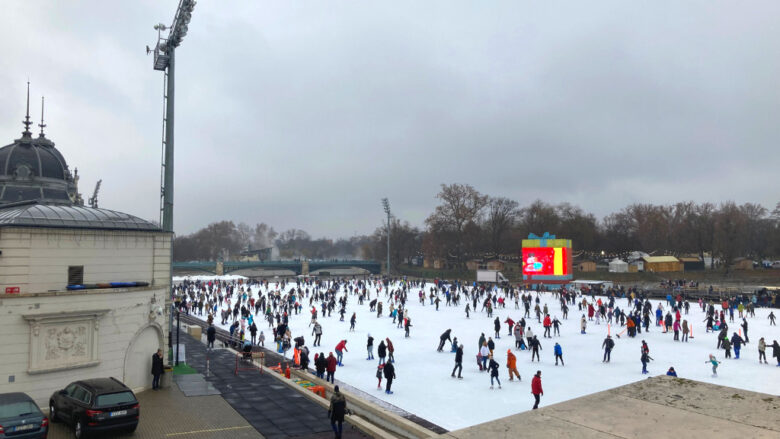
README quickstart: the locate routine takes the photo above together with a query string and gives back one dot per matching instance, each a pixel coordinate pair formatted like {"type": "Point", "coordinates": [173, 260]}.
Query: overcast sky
{"type": "Point", "coordinates": [305, 114]}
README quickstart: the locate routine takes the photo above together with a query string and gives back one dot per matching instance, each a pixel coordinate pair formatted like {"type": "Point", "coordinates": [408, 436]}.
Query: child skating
{"type": "Point", "coordinates": [715, 364]}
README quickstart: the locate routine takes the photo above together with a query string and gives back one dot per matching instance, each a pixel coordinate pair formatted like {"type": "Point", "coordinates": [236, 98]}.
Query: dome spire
{"type": "Point", "coordinates": [42, 125]}
{"type": "Point", "coordinates": [26, 122]}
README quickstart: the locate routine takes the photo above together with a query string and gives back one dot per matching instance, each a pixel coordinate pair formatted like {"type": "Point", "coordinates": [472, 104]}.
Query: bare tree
{"type": "Point", "coordinates": [501, 216]}
{"type": "Point", "coordinates": [460, 205]}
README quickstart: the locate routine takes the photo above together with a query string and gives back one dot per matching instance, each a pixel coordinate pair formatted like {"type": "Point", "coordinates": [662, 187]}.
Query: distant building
{"type": "Point", "coordinates": [586, 266]}
{"type": "Point", "coordinates": [661, 264]}
{"type": "Point", "coordinates": [83, 289]}
{"type": "Point", "coordinates": [742, 264]}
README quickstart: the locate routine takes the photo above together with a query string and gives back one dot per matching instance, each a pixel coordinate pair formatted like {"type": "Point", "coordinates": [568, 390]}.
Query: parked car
{"type": "Point", "coordinates": [20, 417]}
{"type": "Point", "coordinates": [95, 405]}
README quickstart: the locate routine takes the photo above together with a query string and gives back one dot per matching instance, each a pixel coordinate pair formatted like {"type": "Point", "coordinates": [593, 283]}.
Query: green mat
{"type": "Point", "coordinates": [183, 369]}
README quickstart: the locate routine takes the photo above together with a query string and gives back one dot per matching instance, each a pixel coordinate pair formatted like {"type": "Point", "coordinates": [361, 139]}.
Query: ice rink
{"type": "Point", "coordinates": [425, 388]}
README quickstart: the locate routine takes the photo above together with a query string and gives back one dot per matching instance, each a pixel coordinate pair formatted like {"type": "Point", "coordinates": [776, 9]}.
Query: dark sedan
{"type": "Point", "coordinates": [20, 417]}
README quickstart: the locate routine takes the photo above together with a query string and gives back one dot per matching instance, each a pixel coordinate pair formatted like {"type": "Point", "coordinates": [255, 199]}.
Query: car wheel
{"type": "Point", "coordinates": [78, 429]}
{"type": "Point", "coordinates": [52, 413]}
{"type": "Point", "coordinates": [131, 430]}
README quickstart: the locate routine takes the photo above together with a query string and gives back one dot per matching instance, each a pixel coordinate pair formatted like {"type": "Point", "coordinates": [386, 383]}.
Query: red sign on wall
{"type": "Point", "coordinates": [11, 290]}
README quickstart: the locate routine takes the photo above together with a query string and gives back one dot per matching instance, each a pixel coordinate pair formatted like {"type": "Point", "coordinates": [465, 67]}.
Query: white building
{"type": "Point", "coordinates": [50, 245]}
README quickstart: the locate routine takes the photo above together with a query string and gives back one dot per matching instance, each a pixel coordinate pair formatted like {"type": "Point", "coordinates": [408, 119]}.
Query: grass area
{"type": "Point", "coordinates": [183, 369]}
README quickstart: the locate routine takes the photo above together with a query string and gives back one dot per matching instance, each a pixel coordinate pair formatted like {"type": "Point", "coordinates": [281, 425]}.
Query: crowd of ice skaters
{"type": "Point", "coordinates": [249, 305]}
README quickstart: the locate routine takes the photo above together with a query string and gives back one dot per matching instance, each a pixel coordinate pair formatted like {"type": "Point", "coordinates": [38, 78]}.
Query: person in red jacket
{"type": "Point", "coordinates": [536, 388]}
{"type": "Point", "coordinates": [390, 350]}
{"type": "Point", "coordinates": [547, 324]}
{"type": "Point", "coordinates": [331, 368]}
{"type": "Point", "coordinates": [340, 349]}
{"type": "Point", "coordinates": [510, 325]}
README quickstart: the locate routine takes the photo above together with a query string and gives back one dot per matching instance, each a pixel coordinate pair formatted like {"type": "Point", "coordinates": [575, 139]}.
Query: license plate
{"type": "Point", "coordinates": [24, 427]}
{"type": "Point", "coordinates": [118, 413]}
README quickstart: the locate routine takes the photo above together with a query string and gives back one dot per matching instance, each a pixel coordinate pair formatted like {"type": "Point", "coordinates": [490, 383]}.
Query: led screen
{"type": "Point", "coordinates": [545, 261]}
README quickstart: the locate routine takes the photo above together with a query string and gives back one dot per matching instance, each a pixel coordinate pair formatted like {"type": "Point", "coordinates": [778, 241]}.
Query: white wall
{"type": "Point", "coordinates": [37, 259]}
{"type": "Point", "coordinates": [128, 315]}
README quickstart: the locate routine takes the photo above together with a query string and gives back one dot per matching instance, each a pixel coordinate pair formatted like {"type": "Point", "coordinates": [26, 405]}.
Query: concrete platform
{"type": "Point", "coordinates": [657, 407]}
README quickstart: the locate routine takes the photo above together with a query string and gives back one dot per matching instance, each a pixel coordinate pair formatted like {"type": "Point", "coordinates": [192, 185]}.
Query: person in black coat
{"type": "Point", "coordinates": [444, 337]}
{"type": "Point", "coordinates": [157, 369]}
{"type": "Point", "coordinates": [320, 363]}
{"type": "Point", "coordinates": [382, 352]}
{"type": "Point", "coordinates": [389, 376]}
{"type": "Point", "coordinates": [458, 362]}
{"type": "Point", "coordinates": [337, 410]}
{"type": "Point", "coordinates": [211, 335]}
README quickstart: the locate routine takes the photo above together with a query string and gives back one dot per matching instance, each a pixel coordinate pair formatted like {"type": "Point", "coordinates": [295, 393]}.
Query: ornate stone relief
{"type": "Point", "coordinates": [66, 340]}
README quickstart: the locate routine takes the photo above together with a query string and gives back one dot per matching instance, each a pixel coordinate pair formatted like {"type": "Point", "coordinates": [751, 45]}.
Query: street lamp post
{"type": "Point", "coordinates": [164, 60]}
{"type": "Point", "coordinates": [386, 205]}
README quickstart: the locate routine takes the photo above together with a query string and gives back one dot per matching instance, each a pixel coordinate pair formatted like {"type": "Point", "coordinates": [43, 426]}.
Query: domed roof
{"type": "Point", "coordinates": [33, 169]}
{"type": "Point", "coordinates": [32, 157]}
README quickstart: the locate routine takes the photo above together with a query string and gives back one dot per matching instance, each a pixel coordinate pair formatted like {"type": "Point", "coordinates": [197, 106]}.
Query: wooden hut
{"type": "Point", "coordinates": [742, 264]}
{"type": "Point", "coordinates": [586, 266]}
{"type": "Point", "coordinates": [660, 264]}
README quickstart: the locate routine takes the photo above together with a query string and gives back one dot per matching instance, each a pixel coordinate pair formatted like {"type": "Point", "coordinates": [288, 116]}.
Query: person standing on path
{"type": "Point", "coordinates": [337, 410]}
{"type": "Point", "coordinates": [211, 335]}
{"type": "Point", "coordinates": [536, 388]}
{"type": "Point", "coordinates": [389, 376]}
{"type": "Point", "coordinates": [157, 369]}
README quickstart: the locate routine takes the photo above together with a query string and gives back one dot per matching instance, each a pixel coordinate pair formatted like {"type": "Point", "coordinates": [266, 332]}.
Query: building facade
{"type": "Point", "coordinates": [83, 291]}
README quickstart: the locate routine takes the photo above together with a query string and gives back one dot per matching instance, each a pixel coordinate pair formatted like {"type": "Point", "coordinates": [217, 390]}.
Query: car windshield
{"type": "Point", "coordinates": [114, 399]}
{"type": "Point", "coordinates": [20, 408]}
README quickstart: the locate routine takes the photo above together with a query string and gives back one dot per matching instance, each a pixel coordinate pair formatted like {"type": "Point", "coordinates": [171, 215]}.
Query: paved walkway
{"type": "Point", "coordinates": [272, 408]}
{"type": "Point", "coordinates": [168, 414]}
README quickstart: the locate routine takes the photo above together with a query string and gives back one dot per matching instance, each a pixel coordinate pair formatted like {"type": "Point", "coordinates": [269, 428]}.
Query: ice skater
{"type": "Point", "coordinates": [715, 364]}
{"type": "Point", "coordinates": [493, 368]}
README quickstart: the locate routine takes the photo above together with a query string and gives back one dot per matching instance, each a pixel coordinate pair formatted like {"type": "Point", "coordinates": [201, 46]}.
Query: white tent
{"type": "Point", "coordinates": [618, 266]}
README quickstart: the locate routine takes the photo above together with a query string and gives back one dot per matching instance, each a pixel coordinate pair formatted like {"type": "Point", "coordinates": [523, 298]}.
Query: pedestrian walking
{"type": "Point", "coordinates": [336, 411]}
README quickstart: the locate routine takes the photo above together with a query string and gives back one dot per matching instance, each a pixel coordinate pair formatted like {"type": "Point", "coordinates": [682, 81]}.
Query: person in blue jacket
{"type": "Point", "coordinates": [558, 354]}
{"type": "Point", "coordinates": [671, 372]}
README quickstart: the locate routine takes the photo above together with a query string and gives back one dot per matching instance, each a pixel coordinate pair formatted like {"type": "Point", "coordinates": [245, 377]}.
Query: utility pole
{"type": "Point", "coordinates": [164, 60]}
{"type": "Point", "coordinates": [386, 205]}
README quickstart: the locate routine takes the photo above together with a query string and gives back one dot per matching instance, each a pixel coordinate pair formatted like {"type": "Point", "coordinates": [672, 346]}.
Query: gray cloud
{"type": "Point", "coordinates": [306, 115]}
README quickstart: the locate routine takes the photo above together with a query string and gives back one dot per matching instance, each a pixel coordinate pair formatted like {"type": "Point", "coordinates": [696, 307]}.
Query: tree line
{"type": "Point", "coordinates": [466, 224]}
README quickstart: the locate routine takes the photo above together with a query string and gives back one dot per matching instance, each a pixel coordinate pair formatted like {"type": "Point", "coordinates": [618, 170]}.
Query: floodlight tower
{"type": "Point", "coordinates": [386, 205]}
{"type": "Point", "coordinates": [164, 60]}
